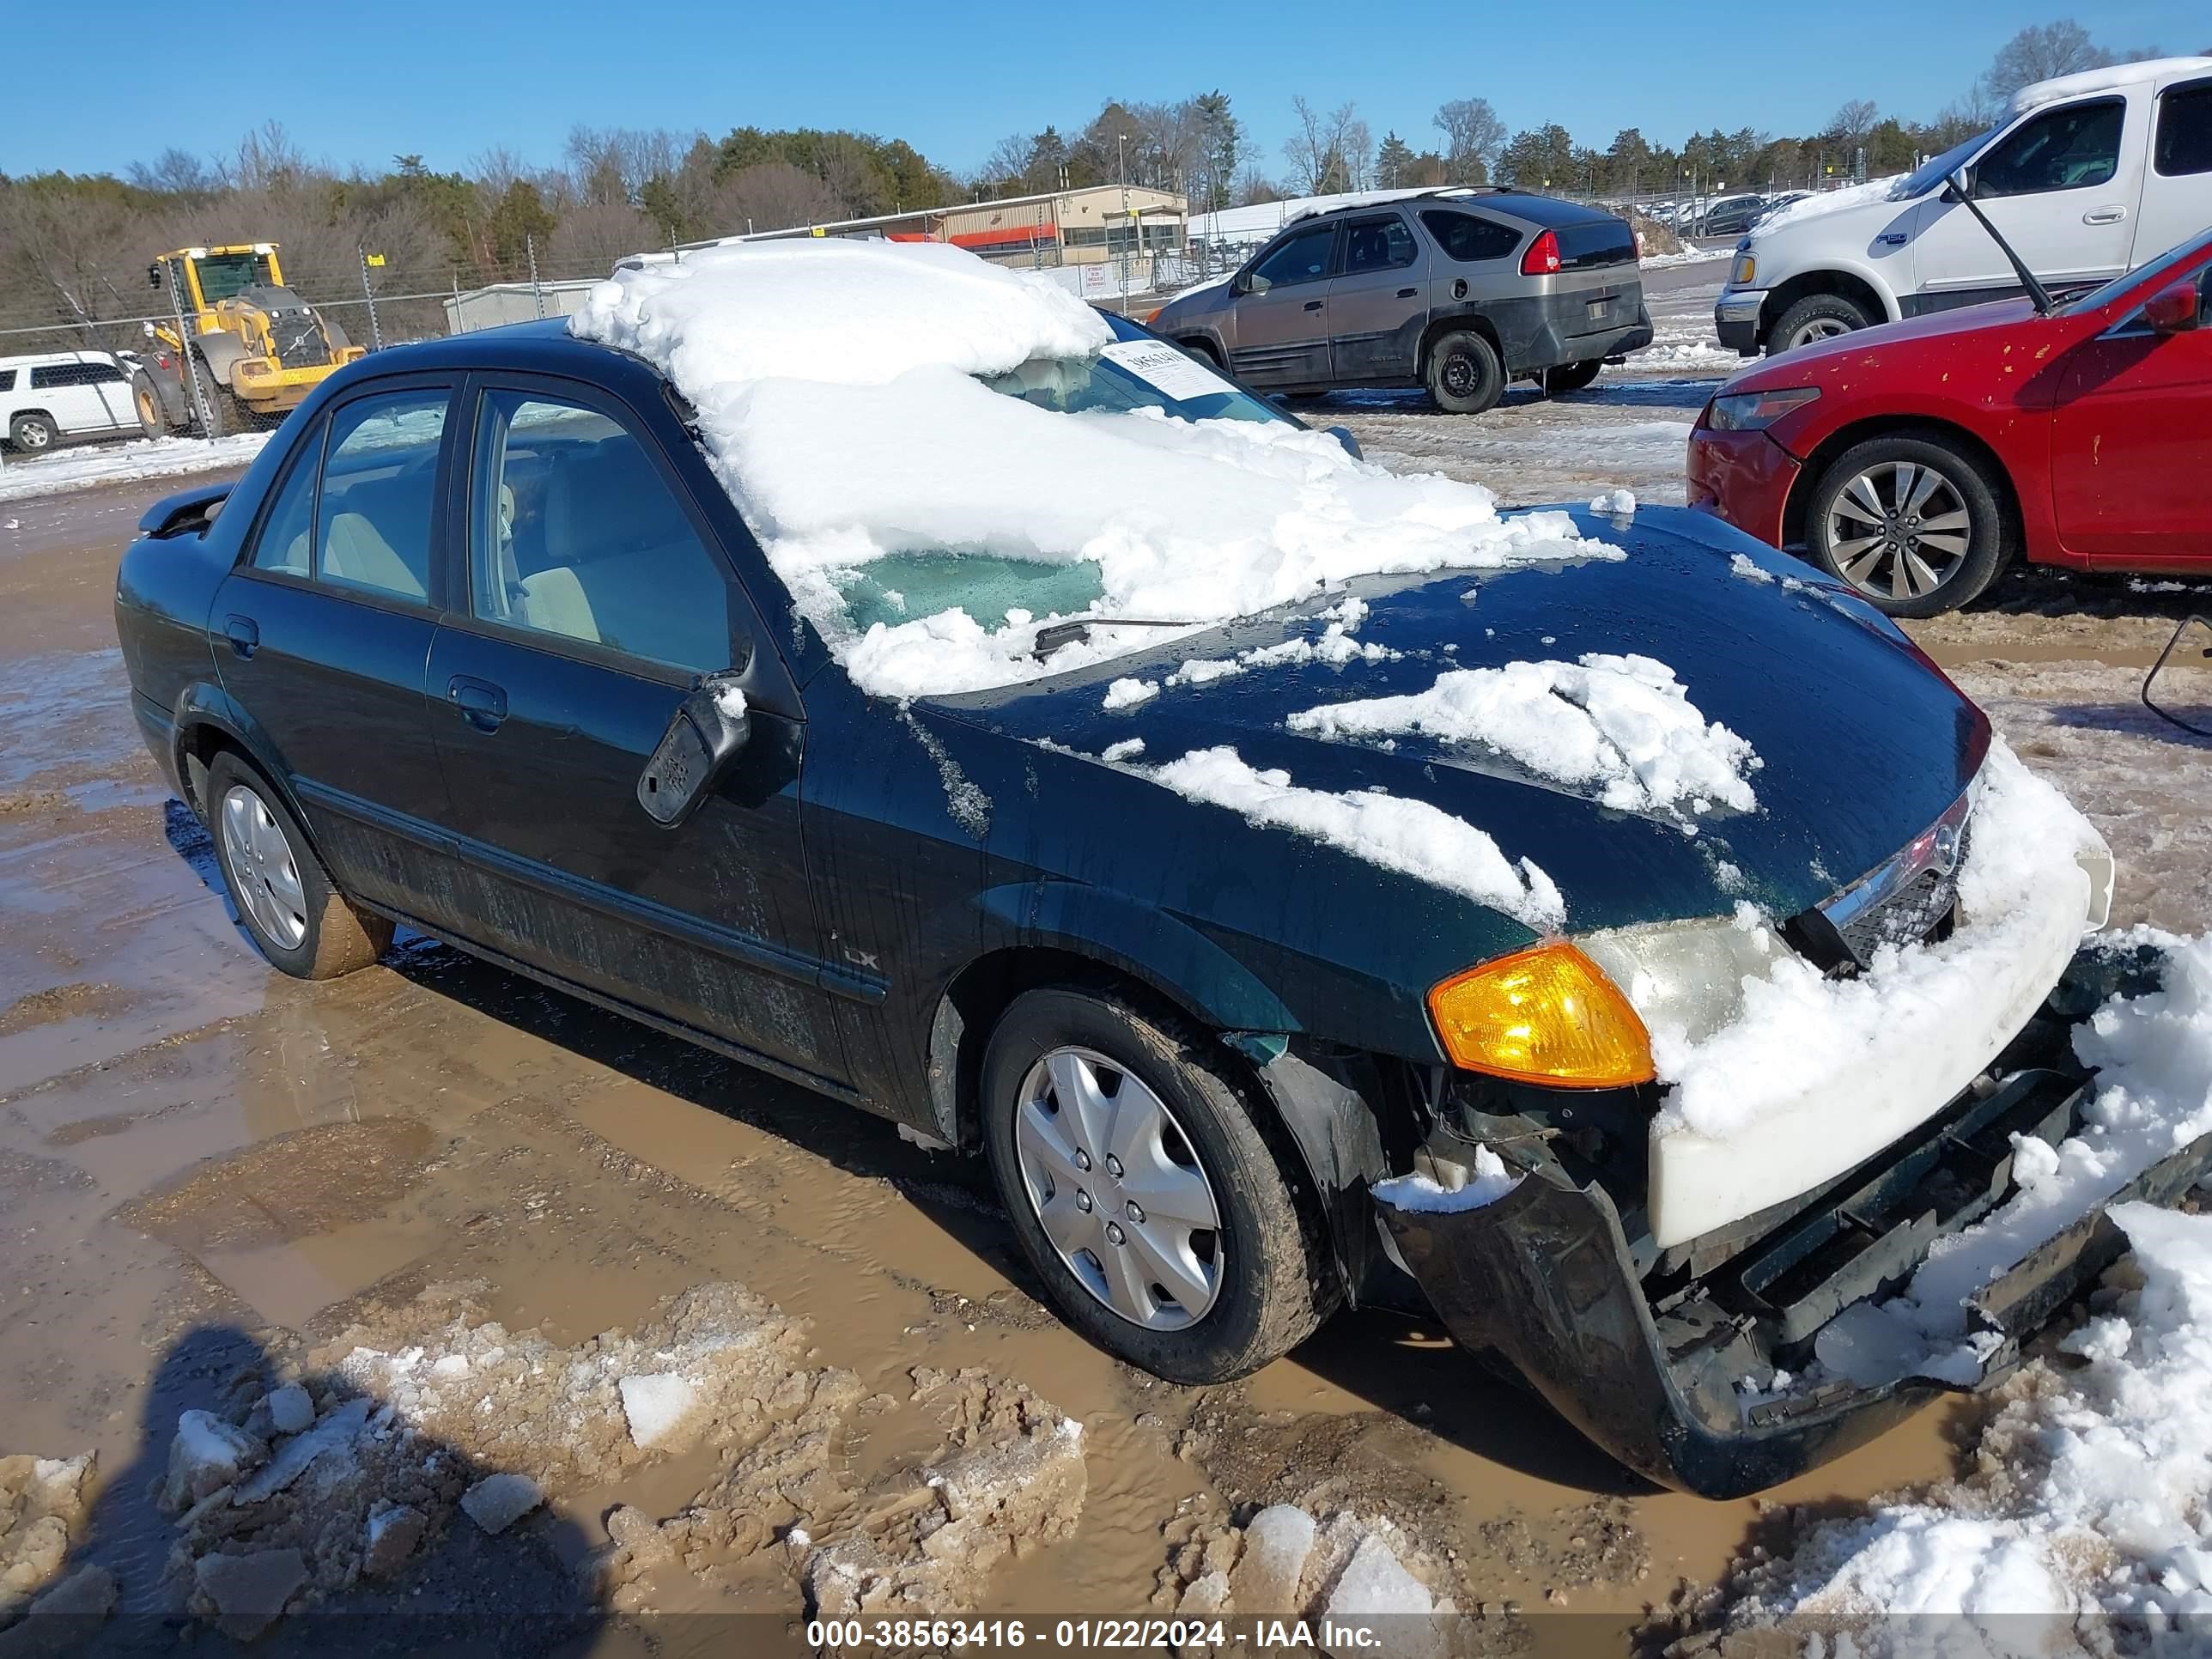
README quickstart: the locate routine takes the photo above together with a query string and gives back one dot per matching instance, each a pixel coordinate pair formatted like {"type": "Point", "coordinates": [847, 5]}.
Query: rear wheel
{"type": "Point", "coordinates": [1165, 1226]}
{"type": "Point", "coordinates": [1816, 316]}
{"type": "Point", "coordinates": [1463, 373]}
{"type": "Point", "coordinates": [34, 433]}
{"type": "Point", "coordinates": [1571, 377]}
{"type": "Point", "coordinates": [1916, 525]}
{"type": "Point", "coordinates": [284, 897]}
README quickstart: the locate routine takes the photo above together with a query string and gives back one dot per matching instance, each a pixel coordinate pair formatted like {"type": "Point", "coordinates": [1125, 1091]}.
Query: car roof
{"type": "Point", "coordinates": [44, 359]}
{"type": "Point", "coordinates": [1547, 210]}
{"type": "Point", "coordinates": [543, 343]}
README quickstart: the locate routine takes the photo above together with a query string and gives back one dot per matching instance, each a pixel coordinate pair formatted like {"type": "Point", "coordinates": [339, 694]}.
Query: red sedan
{"type": "Point", "coordinates": [1914, 460]}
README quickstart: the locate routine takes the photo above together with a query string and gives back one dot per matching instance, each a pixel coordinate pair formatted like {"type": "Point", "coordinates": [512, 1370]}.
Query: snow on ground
{"type": "Point", "coordinates": [842, 456]}
{"type": "Point", "coordinates": [1623, 726]}
{"type": "Point", "coordinates": [1688, 256]}
{"type": "Point", "coordinates": [1410, 837]}
{"type": "Point", "coordinates": [1674, 349]}
{"type": "Point", "coordinates": [80, 468]}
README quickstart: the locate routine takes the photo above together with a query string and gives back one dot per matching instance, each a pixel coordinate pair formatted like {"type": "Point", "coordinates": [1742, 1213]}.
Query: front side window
{"type": "Point", "coordinates": [379, 494]}
{"type": "Point", "coordinates": [1377, 244]}
{"type": "Point", "coordinates": [1469, 238]}
{"type": "Point", "coordinates": [1303, 259]}
{"type": "Point", "coordinates": [574, 532]}
{"type": "Point", "coordinates": [2183, 145]}
{"type": "Point", "coordinates": [2074, 147]}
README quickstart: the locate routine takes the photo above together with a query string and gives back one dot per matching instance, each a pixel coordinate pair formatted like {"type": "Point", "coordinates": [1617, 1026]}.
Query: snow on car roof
{"type": "Point", "coordinates": [836, 392]}
{"type": "Point", "coordinates": [2107, 79]}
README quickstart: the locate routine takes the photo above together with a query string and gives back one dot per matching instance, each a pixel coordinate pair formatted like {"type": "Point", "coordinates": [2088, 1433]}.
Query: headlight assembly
{"type": "Point", "coordinates": [1754, 412]}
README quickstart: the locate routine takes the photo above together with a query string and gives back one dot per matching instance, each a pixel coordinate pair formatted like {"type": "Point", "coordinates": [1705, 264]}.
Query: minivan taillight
{"type": "Point", "coordinates": [1542, 258]}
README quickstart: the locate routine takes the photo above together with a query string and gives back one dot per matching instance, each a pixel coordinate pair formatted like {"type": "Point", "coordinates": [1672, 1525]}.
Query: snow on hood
{"type": "Point", "coordinates": [1827, 202]}
{"type": "Point", "coordinates": [836, 391]}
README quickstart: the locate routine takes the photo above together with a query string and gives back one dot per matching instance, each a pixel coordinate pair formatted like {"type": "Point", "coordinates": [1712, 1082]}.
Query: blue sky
{"type": "Point", "coordinates": [452, 81]}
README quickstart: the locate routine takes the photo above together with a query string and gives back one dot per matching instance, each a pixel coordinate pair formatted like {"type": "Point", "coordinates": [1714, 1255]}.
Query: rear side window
{"type": "Point", "coordinates": [2076, 147]}
{"type": "Point", "coordinates": [2183, 145]}
{"type": "Point", "coordinates": [379, 486]}
{"type": "Point", "coordinates": [1302, 258]}
{"type": "Point", "coordinates": [1377, 244]}
{"type": "Point", "coordinates": [61, 374]}
{"type": "Point", "coordinates": [1468, 238]}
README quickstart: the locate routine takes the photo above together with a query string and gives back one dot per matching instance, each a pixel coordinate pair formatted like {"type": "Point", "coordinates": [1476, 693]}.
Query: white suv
{"type": "Point", "coordinates": [58, 395]}
{"type": "Point", "coordinates": [2087, 176]}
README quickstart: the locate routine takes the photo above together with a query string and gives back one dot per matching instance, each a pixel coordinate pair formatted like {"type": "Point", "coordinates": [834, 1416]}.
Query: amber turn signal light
{"type": "Point", "coordinates": [1547, 1014]}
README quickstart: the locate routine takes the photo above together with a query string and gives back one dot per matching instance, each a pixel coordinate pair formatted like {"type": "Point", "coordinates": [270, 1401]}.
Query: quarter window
{"type": "Point", "coordinates": [287, 539]}
{"type": "Point", "coordinates": [7, 379]}
{"type": "Point", "coordinates": [2074, 147]}
{"type": "Point", "coordinates": [1377, 244]}
{"type": "Point", "coordinates": [1469, 238]}
{"type": "Point", "coordinates": [2185, 130]}
{"type": "Point", "coordinates": [574, 532]}
{"type": "Point", "coordinates": [1303, 259]}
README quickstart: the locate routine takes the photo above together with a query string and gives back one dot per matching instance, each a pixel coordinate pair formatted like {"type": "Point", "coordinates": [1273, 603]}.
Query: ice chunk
{"type": "Point", "coordinates": [1375, 1583]}
{"type": "Point", "coordinates": [249, 1592]}
{"type": "Point", "coordinates": [498, 1501]}
{"type": "Point", "coordinates": [291, 1409]}
{"type": "Point", "coordinates": [206, 1454]}
{"type": "Point", "coordinates": [1619, 502]}
{"type": "Point", "coordinates": [335, 1432]}
{"type": "Point", "coordinates": [1128, 693]}
{"type": "Point", "coordinates": [1480, 1184]}
{"type": "Point", "coordinates": [392, 1537]}
{"type": "Point", "coordinates": [660, 1406]}
{"type": "Point", "coordinates": [1277, 1541]}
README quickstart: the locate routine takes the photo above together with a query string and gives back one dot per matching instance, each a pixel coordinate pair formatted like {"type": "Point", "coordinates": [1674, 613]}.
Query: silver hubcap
{"type": "Point", "coordinates": [264, 875]}
{"type": "Point", "coordinates": [1899, 531]}
{"type": "Point", "coordinates": [33, 436]}
{"type": "Point", "coordinates": [1118, 1190]}
{"type": "Point", "coordinates": [1820, 328]}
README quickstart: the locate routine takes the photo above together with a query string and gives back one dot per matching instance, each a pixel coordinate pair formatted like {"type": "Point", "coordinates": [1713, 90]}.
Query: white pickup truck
{"type": "Point", "coordinates": [2087, 176]}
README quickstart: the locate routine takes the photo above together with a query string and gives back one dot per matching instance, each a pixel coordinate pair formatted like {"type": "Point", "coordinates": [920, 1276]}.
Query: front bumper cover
{"type": "Point", "coordinates": [1545, 1277]}
{"type": "Point", "coordinates": [1735, 319]}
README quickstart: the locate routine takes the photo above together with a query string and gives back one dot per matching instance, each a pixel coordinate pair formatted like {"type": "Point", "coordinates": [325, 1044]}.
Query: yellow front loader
{"type": "Point", "coordinates": [257, 347]}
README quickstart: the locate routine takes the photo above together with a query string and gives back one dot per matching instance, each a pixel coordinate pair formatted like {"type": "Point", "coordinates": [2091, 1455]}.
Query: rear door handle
{"type": "Point", "coordinates": [482, 704]}
{"type": "Point", "coordinates": [1407, 293]}
{"type": "Point", "coordinates": [1313, 305]}
{"type": "Point", "coordinates": [243, 632]}
{"type": "Point", "coordinates": [2103, 216]}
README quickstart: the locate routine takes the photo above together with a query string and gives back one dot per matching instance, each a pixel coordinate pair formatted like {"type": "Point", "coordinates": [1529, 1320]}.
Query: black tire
{"type": "Point", "coordinates": [1817, 316]}
{"type": "Point", "coordinates": [1273, 1280]}
{"type": "Point", "coordinates": [334, 938]}
{"type": "Point", "coordinates": [1874, 570]}
{"type": "Point", "coordinates": [225, 415]}
{"type": "Point", "coordinates": [1569, 376]}
{"type": "Point", "coordinates": [148, 402]}
{"type": "Point", "coordinates": [1463, 373]}
{"type": "Point", "coordinates": [1203, 350]}
{"type": "Point", "coordinates": [33, 433]}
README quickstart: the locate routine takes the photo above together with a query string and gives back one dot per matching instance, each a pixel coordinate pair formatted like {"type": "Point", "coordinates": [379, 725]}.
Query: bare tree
{"type": "Point", "coordinates": [1853, 121]}
{"type": "Point", "coordinates": [2041, 50]}
{"type": "Point", "coordinates": [177, 173]}
{"type": "Point", "coordinates": [267, 159]}
{"type": "Point", "coordinates": [590, 239]}
{"type": "Point", "coordinates": [1474, 136]}
{"type": "Point", "coordinates": [1358, 154]}
{"type": "Point", "coordinates": [1316, 148]}
{"type": "Point", "coordinates": [775, 195]}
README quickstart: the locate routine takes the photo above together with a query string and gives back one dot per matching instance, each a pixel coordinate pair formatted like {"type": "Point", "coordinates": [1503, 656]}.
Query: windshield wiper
{"type": "Point", "coordinates": [1053, 635]}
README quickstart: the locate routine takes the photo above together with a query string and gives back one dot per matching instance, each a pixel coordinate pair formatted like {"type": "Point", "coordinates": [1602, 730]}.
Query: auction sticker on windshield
{"type": "Point", "coordinates": [1169, 371]}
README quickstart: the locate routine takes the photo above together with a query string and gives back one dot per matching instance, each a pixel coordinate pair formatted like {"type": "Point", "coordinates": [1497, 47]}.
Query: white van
{"type": "Point", "coordinates": [2087, 176]}
{"type": "Point", "coordinates": [56, 396]}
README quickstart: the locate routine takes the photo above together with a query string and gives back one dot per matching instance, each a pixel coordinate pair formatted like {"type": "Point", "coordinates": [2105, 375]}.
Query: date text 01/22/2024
{"type": "Point", "coordinates": [1079, 1635]}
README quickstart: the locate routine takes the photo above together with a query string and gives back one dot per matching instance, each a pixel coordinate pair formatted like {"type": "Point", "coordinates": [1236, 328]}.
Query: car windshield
{"type": "Point", "coordinates": [1933, 171]}
{"type": "Point", "coordinates": [2172, 259]}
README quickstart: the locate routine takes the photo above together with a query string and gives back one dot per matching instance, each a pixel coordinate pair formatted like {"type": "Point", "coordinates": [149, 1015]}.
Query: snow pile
{"type": "Point", "coordinates": [2021, 880]}
{"type": "Point", "coordinates": [42, 1499]}
{"type": "Point", "coordinates": [1623, 726]}
{"type": "Point", "coordinates": [1283, 1564]}
{"type": "Point", "coordinates": [1410, 837]}
{"type": "Point", "coordinates": [91, 465]}
{"type": "Point", "coordinates": [834, 387]}
{"type": "Point", "coordinates": [1455, 1187]}
{"type": "Point", "coordinates": [1827, 202]}
{"type": "Point", "coordinates": [1618, 501]}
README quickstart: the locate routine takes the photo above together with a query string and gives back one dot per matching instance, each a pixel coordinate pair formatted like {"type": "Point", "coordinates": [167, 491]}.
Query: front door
{"type": "Point", "coordinates": [2128, 476]}
{"type": "Point", "coordinates": [594, 599]}
{"type": "Point", "coordinates": [1377, 305]}
{"type": "Point", "coordinates": [322, 631]}
{"type": "Point", "coordinates": [2061, 187]}
{"type": "Point", "coordinates": [1281, 319]}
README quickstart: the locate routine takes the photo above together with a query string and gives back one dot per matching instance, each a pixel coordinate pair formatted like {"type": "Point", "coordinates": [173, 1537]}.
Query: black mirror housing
{"type": "Point", "coordinates": [710, 727]}
{"type": "Point", "coordinates": [1343, 435]}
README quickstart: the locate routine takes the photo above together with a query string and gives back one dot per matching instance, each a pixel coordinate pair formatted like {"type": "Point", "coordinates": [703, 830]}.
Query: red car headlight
{"type": "Point", "coordinates": [1754, 412]}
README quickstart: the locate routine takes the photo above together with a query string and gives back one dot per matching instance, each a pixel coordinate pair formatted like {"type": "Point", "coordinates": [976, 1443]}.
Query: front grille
{"type": "Point", "coordinates": [1912, 913]}
{"type": "Point", "coordinates": [299, 339]}
{"type": "Point", "coordinates": [1909, 899]}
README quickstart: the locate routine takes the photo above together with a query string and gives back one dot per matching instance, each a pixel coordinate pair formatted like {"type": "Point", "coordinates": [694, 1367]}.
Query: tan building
{"type": "Point", "coordinates": [1060, 228]}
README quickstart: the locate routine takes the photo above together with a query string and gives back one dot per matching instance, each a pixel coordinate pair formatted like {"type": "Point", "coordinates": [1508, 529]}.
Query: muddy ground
{"type": "Point", "coordinates": [431, 1181]}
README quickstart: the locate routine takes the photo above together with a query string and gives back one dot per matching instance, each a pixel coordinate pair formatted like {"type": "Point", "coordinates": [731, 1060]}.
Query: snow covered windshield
{"type": "Point", "coordinates": [939, 457]}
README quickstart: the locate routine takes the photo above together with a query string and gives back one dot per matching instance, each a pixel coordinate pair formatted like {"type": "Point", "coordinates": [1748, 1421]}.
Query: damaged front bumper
{"type": "Point", "coordinates": [1651, 1369]}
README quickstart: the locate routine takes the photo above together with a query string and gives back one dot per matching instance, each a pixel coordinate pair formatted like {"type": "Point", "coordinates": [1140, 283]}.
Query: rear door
{"type": "Point", "coordinates": [1378, 303]}
{"type": "Point", "coordinates": [2062, 187]}
{"type": "Point", "coordinates": [113, 388]}
{"type": "Point", "coordinates": [594, 596]}
{"type": "Point", "coordinates": [2177, 195]}
{"type": "Point", "coordinates": [66, 392]}
{"type": "Point", "coordinates": [1281, 320]}
{"type": "Point", "coordinates": [2131, 438]}
{"type": "Point", "coordinates": [322, 632]}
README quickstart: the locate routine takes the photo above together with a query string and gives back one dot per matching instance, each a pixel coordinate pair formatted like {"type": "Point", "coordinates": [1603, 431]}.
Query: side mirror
{"type": "Point", "coordinates": [1253, 282]}
{"type": "Point", "coordinates": [709, 727]}
{"type": "Point", "coordinates": [2174, 309]}
{"type": "Point", "coordinates": [1343, 435]}
{"type": "Point", "coordinates": [1961, 185]}
{"type": "Point", "coordinates": [152, 276]}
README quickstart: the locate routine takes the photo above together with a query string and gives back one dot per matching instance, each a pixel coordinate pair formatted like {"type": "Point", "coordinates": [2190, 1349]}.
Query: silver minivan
{"type": "Point", "coordinates": [1461, 291]}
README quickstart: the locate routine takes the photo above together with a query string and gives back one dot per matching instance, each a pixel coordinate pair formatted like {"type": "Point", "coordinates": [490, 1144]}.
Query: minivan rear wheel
{"type": "Point", "coordinates": [1914, 525]}
{"type": "Point", "coordinates": [284, 897]}
{"type": "Point", "coordinates": [1164, 1225]}
{"type": "Point", "coordinates": [1463, 373]}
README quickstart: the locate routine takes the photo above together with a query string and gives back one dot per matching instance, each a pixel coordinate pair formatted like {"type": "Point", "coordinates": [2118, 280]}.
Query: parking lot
{"type": "Point", "coordinates": [214, 1179]}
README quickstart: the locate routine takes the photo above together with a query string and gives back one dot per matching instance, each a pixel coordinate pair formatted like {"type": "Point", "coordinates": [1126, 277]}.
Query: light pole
{"type": "Point", "coordinates": [1122, 168]}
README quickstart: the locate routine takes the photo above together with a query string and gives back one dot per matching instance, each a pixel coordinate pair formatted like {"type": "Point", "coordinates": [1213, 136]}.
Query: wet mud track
{"type": "Point", "coordinates": [214, 1179]}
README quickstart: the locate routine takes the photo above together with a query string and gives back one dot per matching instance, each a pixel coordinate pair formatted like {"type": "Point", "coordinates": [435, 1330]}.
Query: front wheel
{"type": "Point", "coordinates": [151, 422]}
{"type": "Point", "coordinates": [1464, 374]}
{"type": "Point", "coordinates": [1917, 525]}
{"type": "Point", "coordinates": [1816, 316]}
{"type": "Point", "coordinates": [284, 897]}
{"type": "Point", "coordinates": [1164, 1226]}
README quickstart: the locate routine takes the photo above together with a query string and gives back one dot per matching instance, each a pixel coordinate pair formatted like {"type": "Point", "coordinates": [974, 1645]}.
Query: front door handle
{"type": "Point", "coordinates": [243, 632]}
{"type": "Point", "coordinates": [2103, 216]}
{"type": "Point", "coordinates": [482, 704]}
{"type": "Point", "coordinates": [1407, 293]}
{"type": "Point", "coordinates": [1313, 305]}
